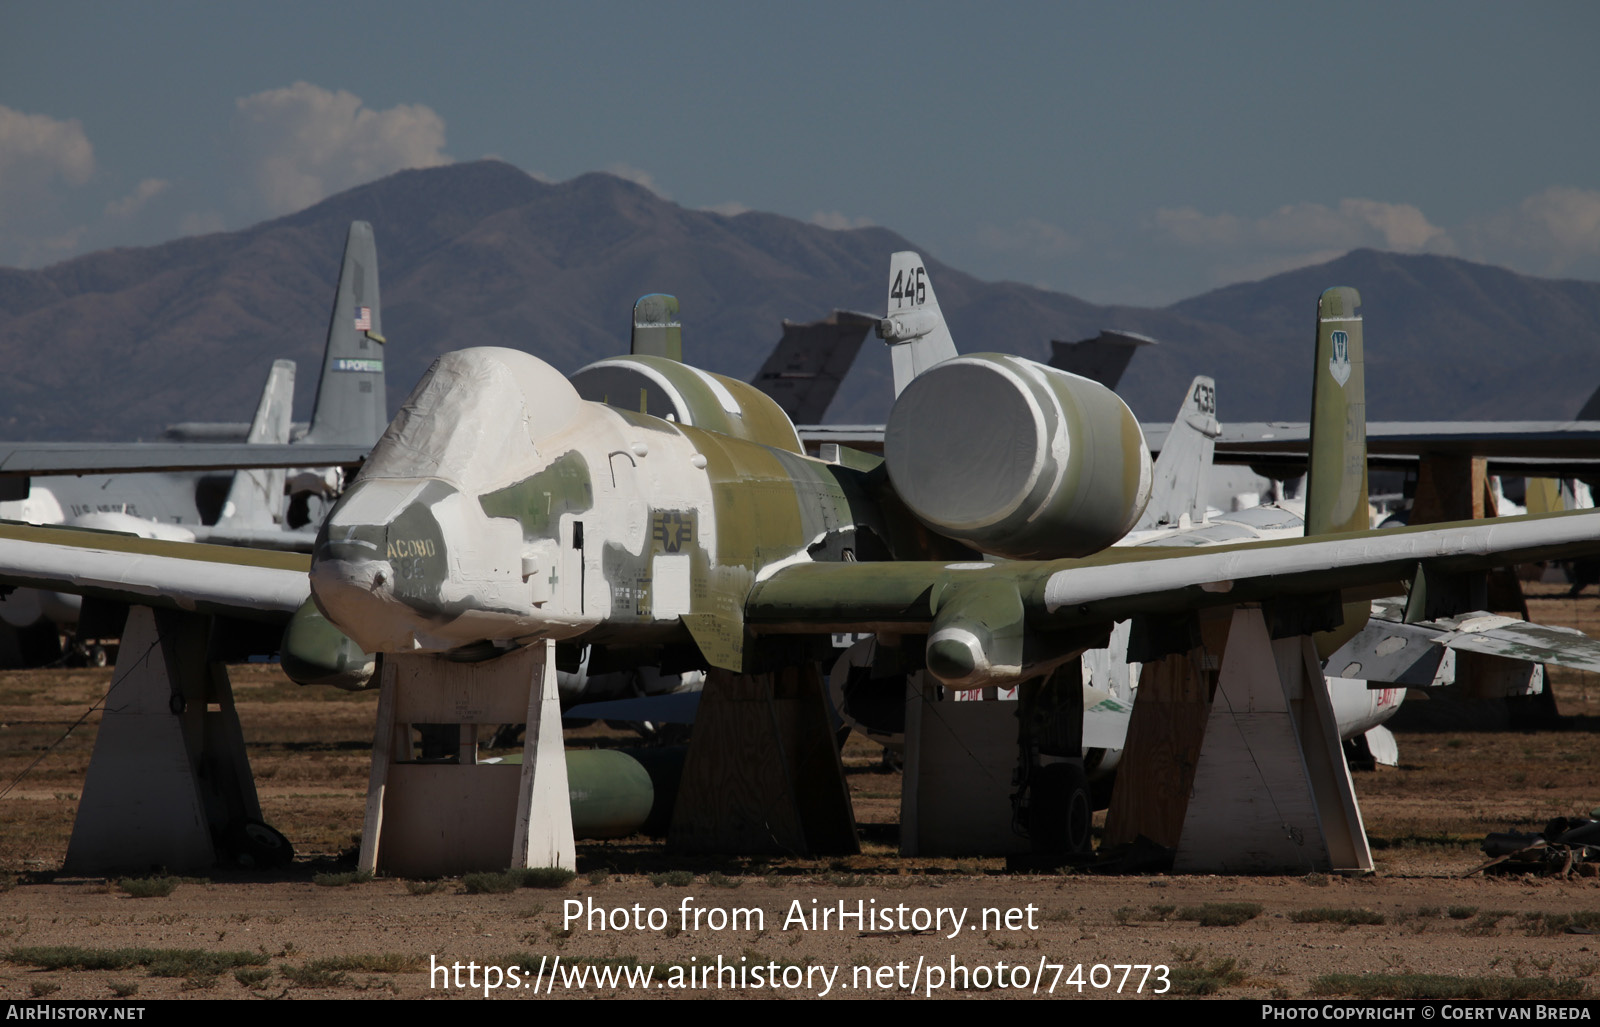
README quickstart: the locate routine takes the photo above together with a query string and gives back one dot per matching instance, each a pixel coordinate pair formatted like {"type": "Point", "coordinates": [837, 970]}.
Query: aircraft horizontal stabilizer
{"type": "Point", "coordinates": [1393, 652]}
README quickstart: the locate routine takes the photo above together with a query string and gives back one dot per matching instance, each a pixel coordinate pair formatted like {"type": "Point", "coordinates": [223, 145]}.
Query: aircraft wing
{"type": "Point", "coordinates": [42, 458]}
{"type": "Point", "coordinates": [1549, 448]}
{"type": "Point", "coordinates": [1009, 606]}
{"type": "Point", "coordinates": [225, 580]}
{"type": "Point", "coordinates": [1542, 448]}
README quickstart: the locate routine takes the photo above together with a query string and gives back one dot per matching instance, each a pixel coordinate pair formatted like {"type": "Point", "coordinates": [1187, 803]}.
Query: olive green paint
{"type": "Point", "coordinates": [1336, 491]}
{"type": "Point", "coordinates": [538, 502]}
{"type": "Point", "coordinates": [1336, 483]}
{"type": "Point", "coordinates": [991, 611]}
{"type": "Point", "coordinates": [317, 653]}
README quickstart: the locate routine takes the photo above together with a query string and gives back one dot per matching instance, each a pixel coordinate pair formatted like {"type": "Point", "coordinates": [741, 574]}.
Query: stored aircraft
{"type": "Point", "coordinates": [163, 483]}
{"type": "Point", "coordinates": [649, 507]}
{"type": "Point", "coordinates": [187, 490]}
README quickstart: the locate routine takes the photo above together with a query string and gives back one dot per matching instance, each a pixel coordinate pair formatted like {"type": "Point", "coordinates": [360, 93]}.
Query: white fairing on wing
{"type": "Point", "coordinates": [130, 525]}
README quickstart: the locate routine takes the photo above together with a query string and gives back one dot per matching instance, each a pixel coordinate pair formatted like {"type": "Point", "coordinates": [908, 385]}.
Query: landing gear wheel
{"type": "Point", "coordinates": [255, 846]}
{"type": "Point", "coordinates": [1060, 814]}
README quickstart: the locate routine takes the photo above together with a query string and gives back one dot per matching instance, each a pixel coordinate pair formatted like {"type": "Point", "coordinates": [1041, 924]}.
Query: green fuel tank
{"type": "Point", "coordinates": [610, 791]}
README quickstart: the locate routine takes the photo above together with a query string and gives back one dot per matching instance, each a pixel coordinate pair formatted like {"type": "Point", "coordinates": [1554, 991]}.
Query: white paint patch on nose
{"type": "Point", "coordinates": [485, 555]}
{"type": "Point", "coordinates": [376, 501]}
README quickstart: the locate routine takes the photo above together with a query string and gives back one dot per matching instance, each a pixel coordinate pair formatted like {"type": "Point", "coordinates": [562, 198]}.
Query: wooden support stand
{"type": "Point", "coordinates": [169, 785]}
{"type": "Point", "coordinates": [1243, 775]}
{"type": "Point", "coordinates": [955, 794]}
{"type": "Point", "coordinates": [763, 773]}
{"type": "Point", "coordinates": [1451, 488]}
{"type": "Point", "coordinates": [443, 818]}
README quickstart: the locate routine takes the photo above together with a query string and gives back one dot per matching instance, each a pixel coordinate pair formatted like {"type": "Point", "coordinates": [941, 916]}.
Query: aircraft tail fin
{"type": "Point", "coordinates": [807, 366]}
{"type": "Point", "coordinates": [352, 404]}
{"type": "Point", "coordinates": [1178, 480]}
{"type": "Point", "coordinates": [1590, 411]}
{"type": "Point", "coordinates": [255, 499]}
{"type": "Point", "coordinates": [1336, 484]}
{"type": "Point", "coordinates": [1103, 358]}
{"type": "Point", "coordinates": [657, 332]}
{"type": "Point", "coordinates": [914, 328]}
{"type": "Point", "coordinates": [1543, 495]}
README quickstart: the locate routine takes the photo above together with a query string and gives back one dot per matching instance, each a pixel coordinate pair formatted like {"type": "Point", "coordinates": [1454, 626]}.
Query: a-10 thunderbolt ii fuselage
{"type": "Point", "coordinates": [503, 506]}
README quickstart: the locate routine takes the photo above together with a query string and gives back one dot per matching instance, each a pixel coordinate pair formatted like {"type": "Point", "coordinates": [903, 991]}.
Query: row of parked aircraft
{"type": "Point", "coordinates": [646, 513]}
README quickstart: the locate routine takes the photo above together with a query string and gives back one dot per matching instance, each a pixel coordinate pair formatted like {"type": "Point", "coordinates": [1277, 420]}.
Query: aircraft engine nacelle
{"type": "Point", "coordinates": [1016, 458]}
{"type": "Point", "coordinates": [674, 391]}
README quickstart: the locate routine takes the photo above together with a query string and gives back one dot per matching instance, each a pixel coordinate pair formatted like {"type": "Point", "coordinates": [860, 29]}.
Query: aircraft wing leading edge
{"type": "Point", "coordinates": [1124, 583]}
{"type": "Point", "coordinates": [227, 580]}
{"type": "Point", "coordinates": [18, 459]}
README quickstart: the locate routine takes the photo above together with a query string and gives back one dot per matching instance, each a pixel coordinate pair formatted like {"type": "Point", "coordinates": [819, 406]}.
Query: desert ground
{"type": "Point", "coordinates": [1415, 926]}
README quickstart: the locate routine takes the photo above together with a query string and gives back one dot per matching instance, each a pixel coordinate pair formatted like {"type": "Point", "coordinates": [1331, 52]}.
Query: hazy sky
{"type": "Point", "coordinates": [1129, 152]}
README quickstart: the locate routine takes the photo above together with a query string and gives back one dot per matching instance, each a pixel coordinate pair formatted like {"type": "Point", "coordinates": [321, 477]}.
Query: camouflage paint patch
{"type": "Point", "coordinates": [538, 502]}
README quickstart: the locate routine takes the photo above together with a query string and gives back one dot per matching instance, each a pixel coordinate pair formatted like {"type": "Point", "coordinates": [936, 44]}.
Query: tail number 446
{"type": "Point", "coordinates": [910, 287]}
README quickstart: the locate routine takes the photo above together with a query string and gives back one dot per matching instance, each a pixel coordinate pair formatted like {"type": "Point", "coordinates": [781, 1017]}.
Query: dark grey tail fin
{"type": "Point", "coordinates": [352, 404]}
{"type": "Point", "coordinates": [809, 363]}
{"type": "Point", "coordinates": [657, 332]}
{"type": "Point", "coordinates": [1590, 411]}
{"type": "Point", "coordinates": [1102, 358]}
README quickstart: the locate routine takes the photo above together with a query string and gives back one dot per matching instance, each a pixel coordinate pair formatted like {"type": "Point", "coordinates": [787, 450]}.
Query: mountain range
{"type": "Point", "coordinates": [116, 344]}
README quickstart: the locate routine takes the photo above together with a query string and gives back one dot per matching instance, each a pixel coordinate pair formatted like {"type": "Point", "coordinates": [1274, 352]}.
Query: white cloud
{"type": "Point", "coordinates": [143, 193]}
{"type": "Point", "coordinates": [39, 157]}
{"type": "Point", "coordinates": [1030, 237]}
{"type": "Point", "coordinates": [36, 149]}
{"type": "Point", "coordinates": [834, 220]}
{"type": "Point", "coordinates": [731, 209]}
{"type": "Point", "coordinates": [1297, 235]}
{"type": "Point", "coordinates": [1546, 233]}
{"type": "Point", "coordinates": [638, 176]}
{"type": "Point", "coordinates": [303, 143]}
{"type": "Point", "coordinates": [1403, 227]}
{"type": "Point", "coordinates": [1309, 227]}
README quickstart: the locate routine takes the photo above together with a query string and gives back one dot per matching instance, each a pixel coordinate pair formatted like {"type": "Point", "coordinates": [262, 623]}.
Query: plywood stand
{"type": "Point", "coordinates": [454, 815]}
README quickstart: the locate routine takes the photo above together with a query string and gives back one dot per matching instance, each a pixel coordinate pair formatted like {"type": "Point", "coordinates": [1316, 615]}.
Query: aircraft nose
{"type": "Point", "coordinates": [407, 565]}
{"type": "Point", "coordinates": [382, 562]}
